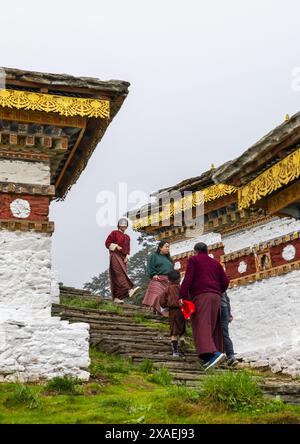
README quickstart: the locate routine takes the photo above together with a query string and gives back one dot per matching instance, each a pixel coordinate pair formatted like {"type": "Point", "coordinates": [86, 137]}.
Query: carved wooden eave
{"type": "Point", "coordinates": [60, 100]}
{"type": "Point", "coordinates": [268, 150]}
{"type": "Point", "coordinates": [157, 215]}
{"type": "Point", "coordinates": [226, 224]}
{"type": "Point", "coordinates": [26, 225]}
{"type": "Point", "coordinates": [193, 184]}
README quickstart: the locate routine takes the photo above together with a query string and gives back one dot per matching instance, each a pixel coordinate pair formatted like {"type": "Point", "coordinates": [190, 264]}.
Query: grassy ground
{"type": "Point", "coordinates": [120, 392]}
{"type": "Point", "coordinates": [104, 305]}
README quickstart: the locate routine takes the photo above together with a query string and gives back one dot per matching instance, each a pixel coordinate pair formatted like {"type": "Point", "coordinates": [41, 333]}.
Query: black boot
{"type": "Point", "coordinates": [175, 351]}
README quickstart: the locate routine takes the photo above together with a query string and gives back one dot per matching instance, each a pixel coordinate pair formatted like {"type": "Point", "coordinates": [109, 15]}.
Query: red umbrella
{"type": "Point", "coordinates": [188, 308]}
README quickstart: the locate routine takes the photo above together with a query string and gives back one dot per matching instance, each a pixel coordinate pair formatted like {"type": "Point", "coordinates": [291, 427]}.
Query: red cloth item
{"type": "Point", "coordinates": [122, 239]}
{"type": "Point", "coordinates": [188, 308]}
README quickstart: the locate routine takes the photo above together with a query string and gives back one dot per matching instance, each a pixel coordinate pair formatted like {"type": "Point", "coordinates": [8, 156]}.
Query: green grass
{"type": "Point", "coordinates": [136, 399]}
{"type": "Point", "coordinates": [236, 391]}
{"type": "Point", "coordinates": [66, 385]}
{"type": "Point", "coordinates": [146, 366]}
{"type": "Point", "coordinates": [23, 396]}
{"type": "Point", "coordinates": [161, 377]}
{"type": "Point", "coordinates": [109, 368]}
{"type": "Point", "coordinates": [77, 302]}
{"type": "Point", "coordinates": [160, 325]}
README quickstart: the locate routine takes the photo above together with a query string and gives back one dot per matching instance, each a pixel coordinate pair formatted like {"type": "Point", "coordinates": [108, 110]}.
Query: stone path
{"type": "Point", "coordinates": [125, 334]}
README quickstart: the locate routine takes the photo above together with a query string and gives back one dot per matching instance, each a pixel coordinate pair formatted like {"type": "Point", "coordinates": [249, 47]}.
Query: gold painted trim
{"type": "Point", "coordinates": [65, 106]}
{"type": "Point", "coordinates": [275, 177]}
{"type": "Point", "coordinates": [186, 203]}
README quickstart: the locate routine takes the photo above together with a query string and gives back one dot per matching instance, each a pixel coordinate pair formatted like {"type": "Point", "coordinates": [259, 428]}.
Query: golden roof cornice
{"type": "Point", "coordinates": [63, 105]}
{"type": "Point", "coordinates": [275, 177]}
{"type": "Point", "coordinates": [185, 203]}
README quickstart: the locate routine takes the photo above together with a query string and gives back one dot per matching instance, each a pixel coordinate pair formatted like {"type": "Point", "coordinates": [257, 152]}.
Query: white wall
{"type": "Point", "coordinates": [188, 245]}
{"type": "Point", "coordinates": [25, 270]}
{"type": "Point", "coordinates": [266, 325]}
{"type": "Point", "coordinates": [32, 351]}
{"type": "Point", "coordinates": [253, 236]}
{"type": "Point", "coordinates": [33, 345]}
{"type": "Point", "coordinates": [18, 171]}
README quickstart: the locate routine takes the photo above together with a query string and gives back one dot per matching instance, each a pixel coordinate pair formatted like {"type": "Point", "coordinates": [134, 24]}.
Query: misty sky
{"type": "Point", "coordinates": [208, 79]}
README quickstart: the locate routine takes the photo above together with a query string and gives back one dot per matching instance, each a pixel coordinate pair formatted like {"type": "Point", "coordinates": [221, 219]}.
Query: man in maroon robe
{"type": "Point", "coordinates": [204, 283]}
{"type": "Point", "coordinates": [118, 244]}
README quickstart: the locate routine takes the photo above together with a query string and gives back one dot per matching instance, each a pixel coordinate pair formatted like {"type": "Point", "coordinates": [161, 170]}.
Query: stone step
{"type": "Point", "coordinates": [104, 317]}
{"type": "Point", "coordinates": [104, 345]}
{"type": "Point", "coordinates": [64, 289]}
{"type": "Point", "coordinates": [188, 376]}
{"type": "Point", "coordinates": [85, 295]}
{"type": "Point", "coordinates": [129, 329]}
{"type": "Point", "coordinates": [137, 339]}
{"type": "Point", "coordinates": [125, 326]}
{"type": "Point", "coordinates": [177, 366]}
{"type": "Point", "coordinates": [127, 308]}
{"type": "Point", "coordinates": [118, 334]}
{"type": "Point", "coordinates": [160, 357]}
{"type": "Point", "coordinates": [97, 313]}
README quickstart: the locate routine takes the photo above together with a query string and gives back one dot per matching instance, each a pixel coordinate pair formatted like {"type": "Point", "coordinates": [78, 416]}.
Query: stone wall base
{"type": "Point", "coordinates": [41, 350]}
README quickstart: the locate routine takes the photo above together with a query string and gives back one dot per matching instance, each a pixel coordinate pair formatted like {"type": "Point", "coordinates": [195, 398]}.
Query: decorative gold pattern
{"type": "Point", "coordinates": [185, 203]}
{"type": "Point", "coordinates": [65, 106]}
{"type": "Point", "coordinates": [280, 174]}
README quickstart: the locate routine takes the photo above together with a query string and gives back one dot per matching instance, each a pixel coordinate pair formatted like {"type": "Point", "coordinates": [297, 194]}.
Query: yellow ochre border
{"type": "Point", "coordinates": [65, 106]}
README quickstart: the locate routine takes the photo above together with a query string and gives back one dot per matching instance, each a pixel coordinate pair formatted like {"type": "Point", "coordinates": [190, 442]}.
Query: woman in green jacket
{"type": "Point", "coordinates": [159, 265]}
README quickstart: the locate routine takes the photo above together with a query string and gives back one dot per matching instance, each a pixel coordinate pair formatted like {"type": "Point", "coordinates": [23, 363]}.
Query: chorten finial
{"type": "Point", "coordinates": [287, 117]}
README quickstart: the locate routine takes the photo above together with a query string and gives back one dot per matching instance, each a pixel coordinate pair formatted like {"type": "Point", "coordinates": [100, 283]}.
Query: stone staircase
{"type": "Point", "coordinates": [132, 332]}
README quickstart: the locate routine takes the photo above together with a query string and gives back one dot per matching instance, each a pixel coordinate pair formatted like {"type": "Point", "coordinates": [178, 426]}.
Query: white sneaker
{"type": "Point", "coordinates": [118, 301]}
{"type": "Point", "coordinates": [134, 291]}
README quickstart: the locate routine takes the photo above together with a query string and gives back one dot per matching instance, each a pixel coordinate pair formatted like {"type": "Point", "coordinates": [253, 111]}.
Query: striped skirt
{"type": "Point", "coordinates": [120, 283]}
{"type": "Point", "coordinates": [154, 292]}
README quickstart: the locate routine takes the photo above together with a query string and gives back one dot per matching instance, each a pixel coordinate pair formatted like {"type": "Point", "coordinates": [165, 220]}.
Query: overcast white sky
{"type": "Point", "coordinates": [208, 79]}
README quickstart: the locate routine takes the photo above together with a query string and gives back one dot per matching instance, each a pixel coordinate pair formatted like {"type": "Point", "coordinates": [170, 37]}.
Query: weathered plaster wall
{"type": "Point", "coordinates": [253, 236]}
{"type": "Point", "coordinates": [19, 171]}
{"type": "Point", "coordinates": [33, 345]}
{"type": "Point", "coordinates": [266, 325]}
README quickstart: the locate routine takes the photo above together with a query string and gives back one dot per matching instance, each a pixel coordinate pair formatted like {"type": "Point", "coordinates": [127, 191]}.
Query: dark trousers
{"type": "Point", "coordinates": [225, 323]}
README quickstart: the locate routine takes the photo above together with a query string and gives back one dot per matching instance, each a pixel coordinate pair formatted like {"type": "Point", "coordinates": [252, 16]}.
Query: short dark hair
{"type": "Point", "coordinates": [173, 275]}
{"type": "Point", "coordinates": [201, 247]}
